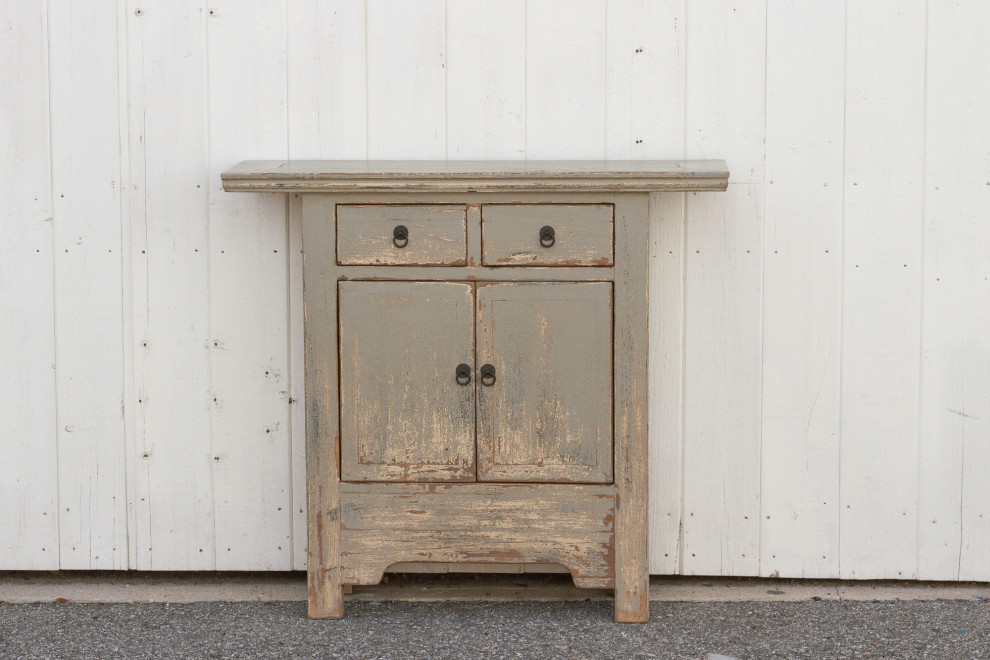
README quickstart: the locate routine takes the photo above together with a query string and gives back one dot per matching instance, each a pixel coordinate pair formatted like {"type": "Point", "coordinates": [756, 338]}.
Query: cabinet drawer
{"type": "Point", "coordinates": [401, 235]}
{"type": "Point", "coordinates": [547, 234]}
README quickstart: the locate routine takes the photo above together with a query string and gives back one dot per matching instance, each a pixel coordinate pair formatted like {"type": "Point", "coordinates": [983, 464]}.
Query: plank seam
{"type": "Point", "coordinates": [446, 88]}
{"type": "Point", "coordinates": [525, 81]}
{"type": "Point", "coordinates": [842, 275]}
{"type": "Point", "coordinates": [763, 289]}
{"type": "Point", "coordinates": [367, 103]}
{"type": "Point", "coordinates": [210, 343]}
{"type": "Point", "coordinates": [51, 209]}
{"type": "Point", "coordinates": [288, 303]}
{"type": "Point", "coordinates": [127, 285]}
{"type": "Point", "coordinates": [684, 298]}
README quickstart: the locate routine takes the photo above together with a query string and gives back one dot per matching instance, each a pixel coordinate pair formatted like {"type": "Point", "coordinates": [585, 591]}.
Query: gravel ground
{"type": "Point", "coordinates": [556, 630]}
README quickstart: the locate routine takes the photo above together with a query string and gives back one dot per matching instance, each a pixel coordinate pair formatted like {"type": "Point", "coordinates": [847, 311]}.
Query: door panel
{"type": "Point", "coordinates": [404, 416]}
{"type": "Point", "coordinates": [548, 415]}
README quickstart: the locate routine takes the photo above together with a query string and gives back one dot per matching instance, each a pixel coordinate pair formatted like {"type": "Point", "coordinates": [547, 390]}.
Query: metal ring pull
{"type": "Point", "coordinates": [547, 238]}
{"type": "Point", "coordinates": [463, 374]}
{"type": "Point", "coordinates": [487, 375]}
{"type": "Point", "coordinates": [400, 236]}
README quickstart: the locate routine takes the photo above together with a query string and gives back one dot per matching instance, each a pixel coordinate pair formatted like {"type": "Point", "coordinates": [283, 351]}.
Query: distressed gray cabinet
{"type": "Point", "coordinates": [476, 364]}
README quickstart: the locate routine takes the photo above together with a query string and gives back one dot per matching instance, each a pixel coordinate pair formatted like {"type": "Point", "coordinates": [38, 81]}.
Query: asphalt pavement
{"type": "Point", "coordinates": [942, 629]}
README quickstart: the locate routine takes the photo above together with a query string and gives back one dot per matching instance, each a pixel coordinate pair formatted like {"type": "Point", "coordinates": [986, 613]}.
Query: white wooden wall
{"type": "Point", "coordinates": [820, 359]}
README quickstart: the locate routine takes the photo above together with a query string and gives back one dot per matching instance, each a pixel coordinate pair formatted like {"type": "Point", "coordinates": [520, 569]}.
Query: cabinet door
{"type": "Point", "coordinates": [548, 414]}
{"type": "Point", "coordinates": [404, 415]}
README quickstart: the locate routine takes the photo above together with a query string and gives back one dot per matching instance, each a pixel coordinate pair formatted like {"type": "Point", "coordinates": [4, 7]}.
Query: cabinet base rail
{"type": "Point", "coordinates": [384, 524]}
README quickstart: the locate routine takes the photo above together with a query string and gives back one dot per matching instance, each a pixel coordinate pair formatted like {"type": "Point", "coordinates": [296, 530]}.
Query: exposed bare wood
{"type": "Point", "coordinates": [326, 597]}
{"type": "Point", "coordinates": [579, 234]}
{"type": "Point", "coordinates": [383, 524]}
{"type": "Point", "coordinates": [547, 416]}
{"type": "Point", "coordinates": [632, 583]}
{"type": "Point", "coordinates": [404, 414]}
{"type": "Point", "coordinates": [435, 234]}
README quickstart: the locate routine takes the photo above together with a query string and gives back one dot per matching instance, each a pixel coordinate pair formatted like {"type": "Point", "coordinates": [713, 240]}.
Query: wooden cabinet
{"type": "Point", "coordinates": [476, 364]}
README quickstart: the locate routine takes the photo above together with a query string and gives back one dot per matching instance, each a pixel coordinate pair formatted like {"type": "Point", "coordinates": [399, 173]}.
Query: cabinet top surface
{"type": "Point", "coordinates": [474, 176]}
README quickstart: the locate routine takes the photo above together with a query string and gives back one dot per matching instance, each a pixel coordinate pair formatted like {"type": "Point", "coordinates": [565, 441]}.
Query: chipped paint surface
{"type": "Point", "coordinates": [409, 432]}
{"type": "Point", "coordinates": [548, 416]}
{"type": "Point", "coordinates": [404, 416]}
{"type": "Point", "coordinates": [555, 524]}
{"type": "Point", "coordinates": [582, 234]}
{"type": "Point", "coordinates": [437, 234]}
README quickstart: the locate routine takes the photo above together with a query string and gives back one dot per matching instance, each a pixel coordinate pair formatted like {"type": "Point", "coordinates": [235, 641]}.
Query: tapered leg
{"type": "Point", "coordinates": [326, 595]}
{"type": "Point", "coordinates": [632, 578]}
{"type": "Point", "coordinates": [632, 602]}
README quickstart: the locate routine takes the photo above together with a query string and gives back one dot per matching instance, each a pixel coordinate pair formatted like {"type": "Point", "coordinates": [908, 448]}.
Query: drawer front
{"type": "Point", "coordinates": [547, 234]}
{"type": "Point", "coordinates": [401, 235]}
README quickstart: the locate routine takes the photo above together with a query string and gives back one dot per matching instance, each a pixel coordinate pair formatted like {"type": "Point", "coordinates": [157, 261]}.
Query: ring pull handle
{"type": "Point", "coordinates": [487, 375]}
{"type": "Point", "coordinates": [400, 236]}
{"type": "Point", "coordinates": [547, 238]}
{"type": "Point", "coordinates": [463, 374]}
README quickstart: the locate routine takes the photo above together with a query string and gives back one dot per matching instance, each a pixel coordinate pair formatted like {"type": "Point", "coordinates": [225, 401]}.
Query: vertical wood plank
{"type": "Point", "coordinates": [248, 290]}
{"type": "Point", "coordinates": [645, 43]}
{"type": "Point", "coordinates": [486, 79]}
{"type": "Point", "coordinates": [131, 202]}
{"type": "Point", "coordinates": [29, 468]}
{"type": "Point", "coordinates": [725, 115]}
{"type": "Point", "coordinates": [722, 345]}
{"type": "Point", "coordinates": [644, 86]}
{"type": "Point", "coordinates": [881, 303]}
{"type": "Point", "coordinates": [86, 180]}
{"type": "Point", "coordinates": [297, 384]}
{"type": "Point", "coordinates": [799, 526]}
{"type": "Point", "coordinates": [327, 101]}
{"type": "Point", "coordinates": [726, 49]}
{"type": "Point", "coordinates": [954, 510]}
{"type": "Point", "coordinates": [327, 115]}
{"type": "Point", "coordinates": [565, 79]}
{"type": "Point", "coordinates": [666, 379]}
{"type": "Point", "coordinates": [170, 301]}
{"type": "Point", "coordinates": [406, 80]}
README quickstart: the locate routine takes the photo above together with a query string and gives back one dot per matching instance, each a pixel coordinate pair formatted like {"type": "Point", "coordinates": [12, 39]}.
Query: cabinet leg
{"type": "Point", "coordinates": [632, 602]}
{"type": "Point", "coordinates": [326, 595]}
